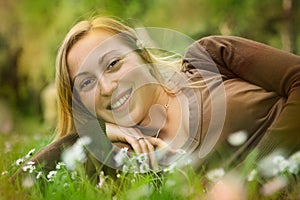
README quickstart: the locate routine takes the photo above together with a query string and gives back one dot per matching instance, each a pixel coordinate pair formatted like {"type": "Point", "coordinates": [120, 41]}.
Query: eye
{"type": "Point", "coordinates": [87, 83]}
{"type": "Point", "coordinates": [113, 64]}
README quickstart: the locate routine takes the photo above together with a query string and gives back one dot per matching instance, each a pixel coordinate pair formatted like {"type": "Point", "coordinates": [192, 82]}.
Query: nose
{"type": "Point", "coordinates": [107, 86]}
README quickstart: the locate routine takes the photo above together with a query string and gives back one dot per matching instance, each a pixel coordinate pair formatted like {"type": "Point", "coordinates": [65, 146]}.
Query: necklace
{"type": "Point", "coordinates": [166, 106]}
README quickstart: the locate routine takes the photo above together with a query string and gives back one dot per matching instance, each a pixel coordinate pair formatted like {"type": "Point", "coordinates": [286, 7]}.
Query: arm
{"type": "Point", "coordinates": [49, 155]}
{"type": "Point", "coordinates": [271, 69]}
{"type": "Point", "coordinates": [129, 137]}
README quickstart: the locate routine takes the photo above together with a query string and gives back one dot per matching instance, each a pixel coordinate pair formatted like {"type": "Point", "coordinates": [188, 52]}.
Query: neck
{"type": "Point", "coordinates": [158, 115]}
{"type": "Point", "coordinates": [176, 129]}
{"type": "Point", "coordinates": [166, 121]}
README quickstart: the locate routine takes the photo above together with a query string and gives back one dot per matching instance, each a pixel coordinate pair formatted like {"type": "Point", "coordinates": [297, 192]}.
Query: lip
{"type": "Point", "coordinates": [121, 101]}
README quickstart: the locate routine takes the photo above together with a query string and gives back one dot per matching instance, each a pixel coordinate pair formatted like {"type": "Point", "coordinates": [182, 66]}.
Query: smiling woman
{"type": "Point", "coordinates": [114, 87]}
{"type": "Point", "coordinates": [107, 75]}
{"type": "Point", "coordinates": [115, 82]}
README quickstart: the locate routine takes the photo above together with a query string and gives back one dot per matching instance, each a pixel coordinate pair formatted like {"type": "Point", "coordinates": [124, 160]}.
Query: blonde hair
{"type": "Point", "coordinates": [65, 122]}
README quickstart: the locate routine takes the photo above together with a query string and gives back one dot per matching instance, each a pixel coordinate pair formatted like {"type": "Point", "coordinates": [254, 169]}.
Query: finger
{"type": "Point", "coordinates": [145, 148]}
{"type": "Point", "coordinates": [143, 145]}
{"type": "Point", "coordinates": [133, 132]}
{"type": "Point", "coordinates": [135, 145]}
{"type": "Point", "coordinates": [152, 159]}
{"type": "Point", "coordinates": [119, 133]}
{"type": "Point", "coordinates": [163, 150]}
{"type": "Point", "coordinates": [157, 142]}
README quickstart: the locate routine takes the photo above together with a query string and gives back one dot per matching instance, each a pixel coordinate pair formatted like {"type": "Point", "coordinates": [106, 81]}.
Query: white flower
{"type": "Point", "coordinates": [125, 168]}
{"type": "Point", "coordinates": [7, 147]}
{"type": "Point", "coordinates": [121, 157]}
{"type": "Point", "coordinates": [142, 158]}
{"type": "Point", "coordinates": [269, 165]}
{"type": "Point", "coordinates": [27, 182]}
{"type": "Point", "coordinates": [170, 183]}
{"type": "Point", "coordinates": [118, 175]}
{"type": "Point", "coordinates": [102, 179]}
{"type": "Point", "coordinates": [75, 153]}
{"type": "Point", "coordinates": [26, 168]}
{"type": "Point", "coordinates": [66, 185]}
{"type": "Point", "coordinates": [238, 138]}
{"type": "Point", "coordinates": [59, 165]}
{"type": "Point", "coordinates": [274, 185]}
{"type": "Point", "coordinates": [293, 168]}
{"type": "Point", "coordinates": [144, 168]}
{"type": "Point", "coordinates": [39, 174]}
{"type": "Point", "coordinates": [281, 164]}
{"type": "Point", "coordinates": [140, 44]}
{"type": "Point", "coordinates": [19, 161]}
{"type": "Point", "coordinates": [51, 175]}
{"type": "Point", "coordinates": [252, 175]}
{"type": "Point", "coordinates": [181, 151]}
{"type": "Point", "coordinates": [134, 168]}
{"type": "Point", "coordinates": [284, 165]}
{"type": "Point", "coordinates": [29, 167]}
{"type": "Point", "coordinates": [85, 140]}
{"type": "Point", "coordinates": [124, 150]}
{"type": "Point", "coordinates": [170, 168]}
{"type": "Point", "coordinates": [295, 157]}
{"type": "Point", "coordinates": [115, 198]}
{"type": "Point", "coordinates": [189, 161]}
{"type": "Point", "coordinates": [73, 175]}
{"type": "Point", "coordinates": [30, 153]}
{"type": "Point", "coordinates": [30, 163]}
{"type": "Point", "coordinates": [294, 161]}
{"type": "Point", "coordinates": [4, 173]}
{"type": "Point", "coordinates": [278, 159]}
{"type": "Point", "coordinates": [215, 175]}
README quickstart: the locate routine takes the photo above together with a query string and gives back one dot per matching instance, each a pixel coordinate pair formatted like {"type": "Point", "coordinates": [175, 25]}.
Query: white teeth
{"type": "Point", "coordinates": [120, 102]}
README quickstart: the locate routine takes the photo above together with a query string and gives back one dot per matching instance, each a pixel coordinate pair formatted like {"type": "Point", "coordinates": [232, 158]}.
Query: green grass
{"type": "Point", "coordinates": [183, 183]}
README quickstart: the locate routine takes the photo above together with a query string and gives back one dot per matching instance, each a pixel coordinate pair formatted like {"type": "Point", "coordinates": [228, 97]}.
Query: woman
{"type": "Point", "coordinates": [161, 105]}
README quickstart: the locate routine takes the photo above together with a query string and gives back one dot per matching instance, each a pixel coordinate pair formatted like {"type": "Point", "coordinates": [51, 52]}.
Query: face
{"type": "Point", "coordinates": [112, 81]}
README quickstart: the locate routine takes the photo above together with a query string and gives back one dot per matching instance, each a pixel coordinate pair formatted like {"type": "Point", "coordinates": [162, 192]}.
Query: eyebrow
{"type": "Point", "coordinates": [101, 60]}
{"type": "Point", "coordinates": [79, 74]}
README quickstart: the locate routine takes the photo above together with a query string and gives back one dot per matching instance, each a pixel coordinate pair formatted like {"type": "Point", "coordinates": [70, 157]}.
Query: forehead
{"type": "Point", "coordinates": [82, 48]}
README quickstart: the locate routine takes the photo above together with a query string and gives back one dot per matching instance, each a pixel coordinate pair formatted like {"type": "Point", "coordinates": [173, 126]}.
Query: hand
{"type": "Point", "coordinates": [138, 142]}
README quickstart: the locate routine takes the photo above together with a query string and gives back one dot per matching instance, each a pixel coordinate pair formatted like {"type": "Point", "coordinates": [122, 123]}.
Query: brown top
{"type": "Point", "coordinates": [262, 97]}
{"type": "Point", "coordinates": [262, 86]}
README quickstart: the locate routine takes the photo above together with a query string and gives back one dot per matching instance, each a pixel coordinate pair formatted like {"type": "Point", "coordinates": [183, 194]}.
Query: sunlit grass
{"type": "Point", "coordinates": [249, 182]}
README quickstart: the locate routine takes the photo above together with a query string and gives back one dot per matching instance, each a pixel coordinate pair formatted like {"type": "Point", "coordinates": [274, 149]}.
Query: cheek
{"type": "Point", "coordinates": [88, 100]}
{"type": "Point", "coordinates": [138, 74]}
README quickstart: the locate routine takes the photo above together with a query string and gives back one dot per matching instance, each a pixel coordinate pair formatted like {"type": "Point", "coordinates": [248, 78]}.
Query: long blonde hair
{"type": "Point", "coordinates": [65, 122]}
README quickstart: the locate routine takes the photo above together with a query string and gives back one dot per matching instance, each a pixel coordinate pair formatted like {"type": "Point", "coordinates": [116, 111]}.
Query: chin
{"type": "Point", "coordinates": [128, 121]}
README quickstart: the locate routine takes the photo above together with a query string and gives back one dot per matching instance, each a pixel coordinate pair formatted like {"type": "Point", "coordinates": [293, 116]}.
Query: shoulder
{"type": "Point", "coordinates": [198, 56]}
{"type": "Point", "coordinates": [203, 45]}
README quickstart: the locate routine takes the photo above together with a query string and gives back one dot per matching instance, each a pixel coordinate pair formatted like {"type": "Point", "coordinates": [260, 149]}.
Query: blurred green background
{"type": "Point", "coordinates": [31, 32]}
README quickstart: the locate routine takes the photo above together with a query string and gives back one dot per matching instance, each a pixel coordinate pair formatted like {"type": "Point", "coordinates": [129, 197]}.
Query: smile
{"type": "Point", "coordinates": [122, 100]}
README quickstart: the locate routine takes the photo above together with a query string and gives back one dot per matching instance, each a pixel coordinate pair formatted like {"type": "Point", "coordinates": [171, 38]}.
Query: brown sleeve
{"type": "Point", "coordinates": [270, 68]}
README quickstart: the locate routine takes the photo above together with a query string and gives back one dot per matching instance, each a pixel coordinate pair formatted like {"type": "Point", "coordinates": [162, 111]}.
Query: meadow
{"type": "Point", "coordinates": [137, 182]}
{"type": "Point", "coordinates": [30, 35]}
